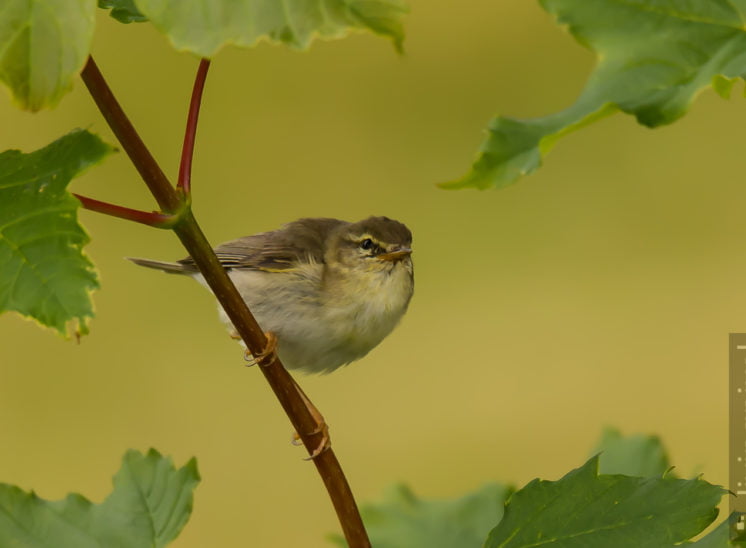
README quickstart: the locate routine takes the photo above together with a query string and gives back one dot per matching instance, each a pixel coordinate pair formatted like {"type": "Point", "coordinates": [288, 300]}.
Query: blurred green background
{"type": "Point", "coordinates": [599, 291]}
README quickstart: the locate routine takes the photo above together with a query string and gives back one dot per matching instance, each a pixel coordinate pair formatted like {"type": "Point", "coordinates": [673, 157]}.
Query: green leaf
{"type": "Point", "coordinates": [403, 519]}
{"type": "Point", "coordinates": [654, 57]}
{"type": "Point", "coordinates": [204, 26]}
{"type": "Point", "coordinates": [717, 538]}
{"type": "Point", "coordinates": [123, 11]}
{"type": "Point", "coordinates": [632, 455]}
{"type": "Point", "coordinates": [587, 509]}
{"type": "Point", "coordinates": [150, 504]}
{"type": "Point", "coordinates": [724, 535]}
{"type": "Point", "coordinates": [44, 273]}
{"type": "Point", "coordinates": [43, 45]}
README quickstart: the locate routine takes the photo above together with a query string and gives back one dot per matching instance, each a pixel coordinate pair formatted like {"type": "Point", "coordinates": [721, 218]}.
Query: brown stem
{"type": "Point", "coordinates": [149, 170]}
{"type": "Point", "coordinates": [198, 247]}
{"type": "Point", "coordinates": [187, 151]}
{"type": "Point", "coordinates": [150, 218]}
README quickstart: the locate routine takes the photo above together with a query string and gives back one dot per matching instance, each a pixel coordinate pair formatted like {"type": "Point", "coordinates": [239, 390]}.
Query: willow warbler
{"type": "Point", "coordinates": [329, 290]}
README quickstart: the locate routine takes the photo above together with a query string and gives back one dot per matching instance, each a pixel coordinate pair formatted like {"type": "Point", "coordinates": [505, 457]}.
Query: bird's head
{"type": "Point", "coordinates": [373, 244]}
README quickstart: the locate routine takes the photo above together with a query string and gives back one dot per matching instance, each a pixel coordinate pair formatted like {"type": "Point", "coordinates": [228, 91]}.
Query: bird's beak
{"type": "Point", "coordinates": [396, 255]}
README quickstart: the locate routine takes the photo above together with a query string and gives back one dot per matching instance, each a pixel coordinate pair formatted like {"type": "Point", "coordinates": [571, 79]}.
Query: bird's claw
{"type": "Point", "coordinates": [266, 357]}
{"type": "Point", "coordinates": [321, 428]}
{"type": "Point", "coordinates": [324, 444]}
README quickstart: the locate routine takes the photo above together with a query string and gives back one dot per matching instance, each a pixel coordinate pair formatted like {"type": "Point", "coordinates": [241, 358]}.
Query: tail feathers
{"type": "Point", "coordinates": [171, 268]}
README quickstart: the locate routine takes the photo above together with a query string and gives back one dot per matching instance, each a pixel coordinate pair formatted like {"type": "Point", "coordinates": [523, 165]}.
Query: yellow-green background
{"type": "Point", "coordinates": [599, 291]}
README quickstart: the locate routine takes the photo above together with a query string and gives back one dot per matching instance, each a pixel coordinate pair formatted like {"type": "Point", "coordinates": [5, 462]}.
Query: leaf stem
{"type": "Point", "coordinates": [150, 218]}
{"type": "Point", "coordinates": [187, 151]}
{"type": "Point", "coordinates": [149, 170]}
{"type": "Point", "coordinates": [191, 236]}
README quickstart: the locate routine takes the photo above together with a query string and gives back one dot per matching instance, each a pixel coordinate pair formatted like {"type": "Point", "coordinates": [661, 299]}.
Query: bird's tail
{"type": "Point", "coordinates": [171, 268]}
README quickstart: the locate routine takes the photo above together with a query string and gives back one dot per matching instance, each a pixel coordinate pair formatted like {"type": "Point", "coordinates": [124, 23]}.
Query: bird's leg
{"type": "Point", "coordinates": [266, 357]}
{"type": "Point", "coordinates": [321, 426]}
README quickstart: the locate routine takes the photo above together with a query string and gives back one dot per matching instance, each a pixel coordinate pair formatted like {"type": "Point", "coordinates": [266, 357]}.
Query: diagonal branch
{"type": "Point", "coordinates": [150, 218]}
{"type": "Point", "coordinates": [200, 250]}
{"type": "Point", "coordinates": [144, 162]}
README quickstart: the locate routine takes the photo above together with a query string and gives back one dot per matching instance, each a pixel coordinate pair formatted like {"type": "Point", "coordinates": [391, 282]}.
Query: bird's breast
{"type": "Point", "coordinates": [366, 306]}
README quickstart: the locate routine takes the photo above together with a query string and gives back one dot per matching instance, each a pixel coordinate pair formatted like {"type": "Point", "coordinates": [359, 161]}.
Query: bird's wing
{"type": "Point", "coordinates": [299, 242]}
{"type": "Point", "coordinates": [259, 252]}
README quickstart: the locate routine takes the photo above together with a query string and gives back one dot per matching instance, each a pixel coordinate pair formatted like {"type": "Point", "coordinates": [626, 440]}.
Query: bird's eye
{"type": "Point", "coordinates": [367, 243]}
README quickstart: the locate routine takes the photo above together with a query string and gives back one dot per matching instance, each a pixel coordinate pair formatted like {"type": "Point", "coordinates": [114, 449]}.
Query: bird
{"type": "Point", "coordinates": [328, 291]}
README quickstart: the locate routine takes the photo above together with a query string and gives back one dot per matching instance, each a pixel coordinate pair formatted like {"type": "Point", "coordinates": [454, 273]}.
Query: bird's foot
{"type": "Point", "coordinates": [323, 445]}
{"type": "Point", "coordinates": [321, 428]}
{"type": "Point", "coordinates": [266, 357]}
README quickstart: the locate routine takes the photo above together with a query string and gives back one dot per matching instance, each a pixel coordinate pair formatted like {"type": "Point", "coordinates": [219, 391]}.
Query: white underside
{"type": "Point", "coordinates": [319, 331]}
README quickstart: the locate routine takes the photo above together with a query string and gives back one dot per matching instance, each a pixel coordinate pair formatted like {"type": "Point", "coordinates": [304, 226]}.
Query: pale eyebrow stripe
{"type": "Point", "coordinates": [367, 237]}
